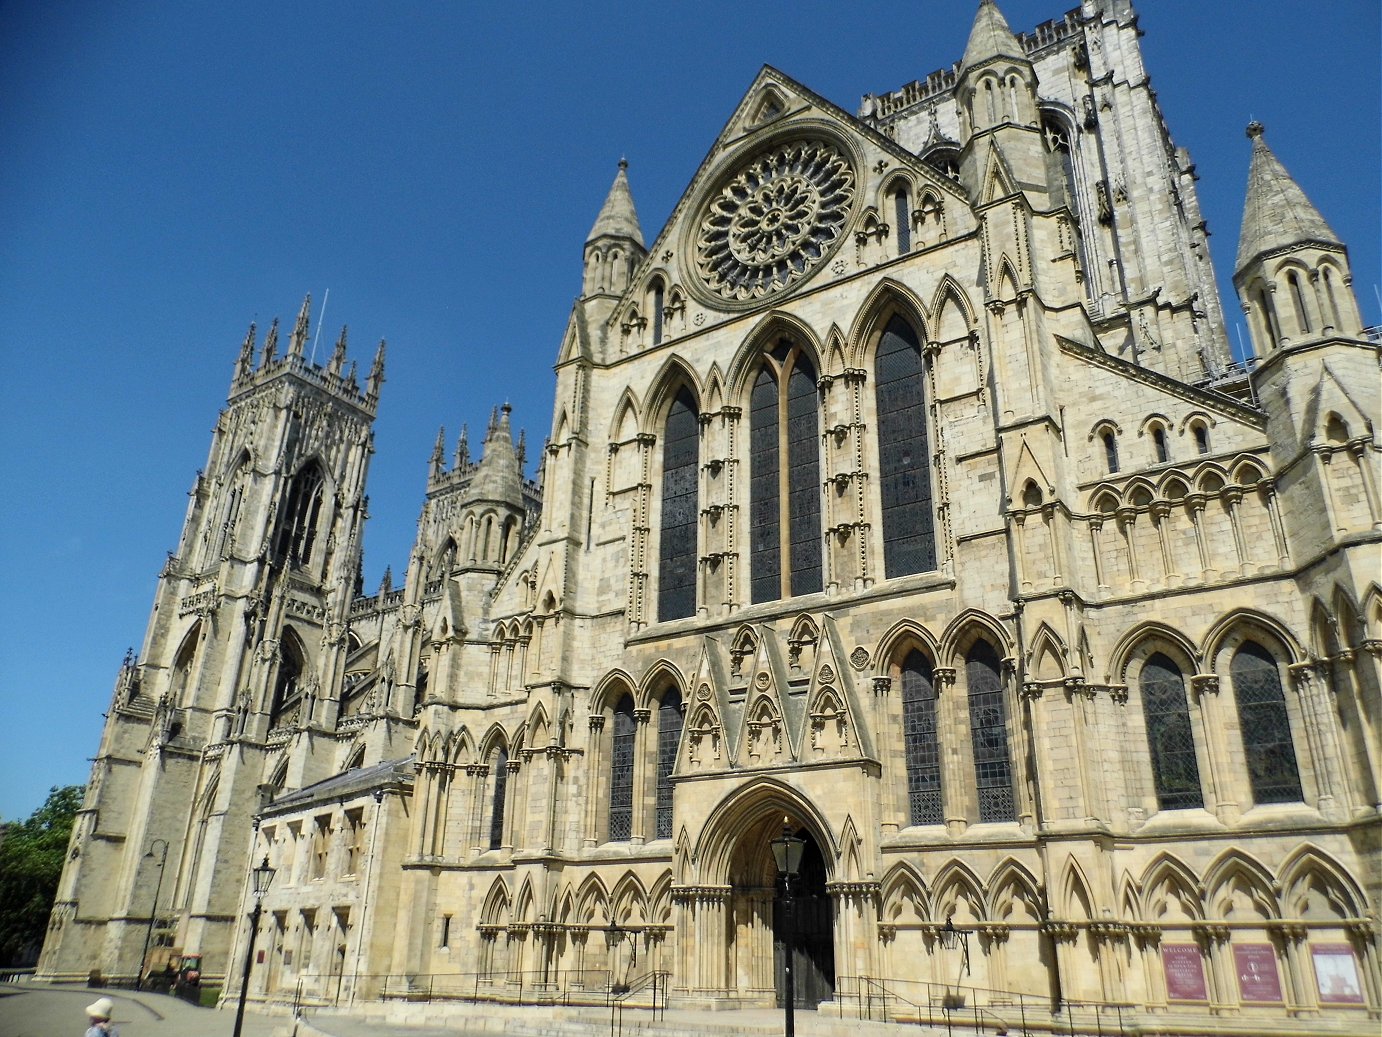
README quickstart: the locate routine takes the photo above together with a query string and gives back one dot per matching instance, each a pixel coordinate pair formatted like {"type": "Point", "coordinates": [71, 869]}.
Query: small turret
{"type": "Point", "coordinates": [462, 461]}
{"type": "Point", "coordinates": [245, 365]}
{"type": "Point", "coordinates": [438, 460]}
{"type": "Point", "coordinates": [614, 246]}
{"type": "Point", "coordinates": [376, 373]}
{"type": "Point", "coordinates": [300, 329]}
{"type": "Point", "coordinates": [270, 345]}
{"type": "Point", "coordinates": [338, 355]}
{"type": "Point", "coordinates": [997, 91]}
{"type": "Point", "coordinates": [1292, 271]}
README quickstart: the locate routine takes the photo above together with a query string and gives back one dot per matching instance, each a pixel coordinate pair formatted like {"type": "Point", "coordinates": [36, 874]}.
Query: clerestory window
{"type": "Point", "coordinates": [988, 729]}
{"type": "Point", "coordinates": [921, 740]}
{"type": "Point", "coordinates": [1170, 738]}
{"type": "Point", "coordinates": [621, 772]}
{"type": "Point", "coordinates": [669, 720]}
{"type": "Point", "coordinates": [1266, 728]}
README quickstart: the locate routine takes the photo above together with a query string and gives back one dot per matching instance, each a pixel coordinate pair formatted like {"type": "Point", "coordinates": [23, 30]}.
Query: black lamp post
{"type": "Point", "coordinates": [153, 913]}
{"type": "Point", "coordinates": [952, 938]}
{"type": "Point", "coordinates": [262, 876]}
{"type": "Point", "coordinates": [787, 850]}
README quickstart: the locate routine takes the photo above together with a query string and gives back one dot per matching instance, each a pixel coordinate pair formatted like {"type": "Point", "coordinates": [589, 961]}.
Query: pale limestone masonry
{"type": "Point", "coordinates": [1116, 715]}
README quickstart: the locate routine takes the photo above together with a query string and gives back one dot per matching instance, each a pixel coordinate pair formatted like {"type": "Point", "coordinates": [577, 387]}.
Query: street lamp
{"type": "Point", "coordinates": [614, 936]}
{"type": "Point", "coordinates": [787, 850]}
{"type": "Point", "coordinates": [153, 913]}
{"type": "Point", "coordinates": [262, 876]}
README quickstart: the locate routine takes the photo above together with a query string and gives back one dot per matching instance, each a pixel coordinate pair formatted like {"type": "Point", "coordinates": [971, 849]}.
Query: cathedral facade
{"type": "Point", "coordinates": [902, 493]}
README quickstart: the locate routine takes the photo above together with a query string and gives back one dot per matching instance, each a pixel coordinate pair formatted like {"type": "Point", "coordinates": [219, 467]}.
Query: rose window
{"type": "Point", "coordinates": [774, 221]}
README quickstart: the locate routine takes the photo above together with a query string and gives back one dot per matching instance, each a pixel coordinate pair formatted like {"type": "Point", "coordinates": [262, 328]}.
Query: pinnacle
{"type": "Point", "coordinates": [1276, 212]}
{"type": "Point", "coordinates": [618, 218]}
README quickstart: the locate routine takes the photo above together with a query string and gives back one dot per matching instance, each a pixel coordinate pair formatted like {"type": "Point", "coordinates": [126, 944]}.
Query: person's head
{"type": "Point", "coordinates": [99, 1010]}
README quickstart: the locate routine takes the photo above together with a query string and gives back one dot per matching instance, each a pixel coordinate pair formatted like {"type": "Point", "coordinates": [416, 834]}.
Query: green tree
{"type": "Point", "coordinates": [32, 853]}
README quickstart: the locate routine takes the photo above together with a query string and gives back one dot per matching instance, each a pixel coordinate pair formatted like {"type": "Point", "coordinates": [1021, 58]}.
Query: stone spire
{"type": "Point", "coordinates": [438, 459]}
{"type": "Point", "coordinates": [991, 38]}
{"type": "Point", "coordinates": [376, 372]}
{"type": "Point", "coordinates": [1276, 213]}
{"type": "Point", "coordinates": [498, 477]}
{"type": "Point", "coordinates": [245, 364]}
{"type": "Point", "coordinates": [618, 218]}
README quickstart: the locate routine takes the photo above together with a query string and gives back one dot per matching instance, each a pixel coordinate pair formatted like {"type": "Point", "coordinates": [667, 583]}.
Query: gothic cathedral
{"type": "Point", "coordinates": [901, 496]}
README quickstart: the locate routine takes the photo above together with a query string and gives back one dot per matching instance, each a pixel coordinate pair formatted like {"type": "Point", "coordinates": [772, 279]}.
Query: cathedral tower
{"type": "Point", "coordinates": [248, 628]}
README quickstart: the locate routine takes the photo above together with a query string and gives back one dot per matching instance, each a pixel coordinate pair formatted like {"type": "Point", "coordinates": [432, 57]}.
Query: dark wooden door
{"type": "Point", "coordinates": [812, 927]}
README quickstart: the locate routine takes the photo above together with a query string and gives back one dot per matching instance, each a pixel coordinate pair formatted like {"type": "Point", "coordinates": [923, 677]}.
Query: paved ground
{"type": "Point", "coordinates": [42, 1011]}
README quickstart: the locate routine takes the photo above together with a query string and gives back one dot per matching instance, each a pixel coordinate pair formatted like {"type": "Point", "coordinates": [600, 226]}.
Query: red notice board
{"type": "Point", "coordinates": [1258, 979]}
{"type": "Point", "coordinates": [1184, 972]}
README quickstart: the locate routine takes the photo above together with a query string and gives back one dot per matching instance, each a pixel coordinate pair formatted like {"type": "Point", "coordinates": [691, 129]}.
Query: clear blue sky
{"type": "Point", "coordinates": [173, 171]}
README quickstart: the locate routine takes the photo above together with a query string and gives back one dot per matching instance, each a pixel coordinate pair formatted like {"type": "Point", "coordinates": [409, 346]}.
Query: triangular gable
{"type": "Point", "coordinates": [997, 182]}
{"type": "Point", "coordinates": [1029, 468]}
{"type": "Point", "coordinates": [801, 105]}
{"type": "Point", "coordinates": [1330, 395]}
{"type": "Point", "coordinates": [576, 340]}
{"type": "Point", "coordinates": [835, 653]}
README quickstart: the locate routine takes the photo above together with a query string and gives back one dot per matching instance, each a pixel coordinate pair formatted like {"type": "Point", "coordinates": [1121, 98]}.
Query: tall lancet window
{"type": "Point", "coordinates": [501, 785]}
{"type": "Point", "coordinates": [1169, 735]}
{"type": "Point", "coordinates": [668, 737]}
{"type": "Point", "coordinates": [621, 772]}
{"type": "Point", "coordinates": [904, 454]}
{"type": "Point", "coordinates": [902, 212]}
{"type": "Point", "coordinates": [676, 585]}
{"type": "Point", "coordinates": [988, 729]}
{"type": "Point", "coordinates": [1267, 744]}
{"type": "Point", "coordinates": [921, 741]}
{"type": "Point", "coordinates": [784, 483]}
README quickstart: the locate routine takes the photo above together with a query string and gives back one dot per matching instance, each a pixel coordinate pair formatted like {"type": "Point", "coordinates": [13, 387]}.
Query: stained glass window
{"type": "Point", "coordinates": [1175, 770]}
{"type": "Point", "coordinates": [501, 783]}
{"type": "Point", "coordinates": [903, 454]}
{"type": "Point", "coordinates": [676, 594]}
{"type": "Point", "coordinates": [658, 302]}
{"type": "Point", "coordinates": [921, 741]}
{"type": "Point", "coordinates": [668, 737]}
{"type": "Point", "coordinates": [784, 424]}
{"type": "Point", "coordinates": [621, 772]}
{"type": "Point", "coordinates": [988, 729]}
{"type": "Point", "coordinates": [1267, 743]}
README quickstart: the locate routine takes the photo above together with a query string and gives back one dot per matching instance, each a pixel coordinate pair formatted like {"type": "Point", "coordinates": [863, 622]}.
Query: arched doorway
{"type": "Point", "coordinates": [758, 928]}
{"type": "Point", "coordinates": [806, 923]}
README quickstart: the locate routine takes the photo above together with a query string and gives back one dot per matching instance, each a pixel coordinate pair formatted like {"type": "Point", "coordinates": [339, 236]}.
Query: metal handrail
{"type": "Point", "coordinates": [618, 1001]}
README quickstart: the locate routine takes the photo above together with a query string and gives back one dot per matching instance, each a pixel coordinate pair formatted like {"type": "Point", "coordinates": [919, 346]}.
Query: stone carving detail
{"type": "Point", "coordinates": [772, 223]}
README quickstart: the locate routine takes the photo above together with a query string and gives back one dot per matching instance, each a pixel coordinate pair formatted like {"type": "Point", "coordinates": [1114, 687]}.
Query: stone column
{"type": "Point", "coordinates": [1213, 939]}
{"type": "Point", "coordinates": [1233, 496]}
{"type": "Point", "coordinates": [1289, 939]}
{"type": "Point", "coordinates": [1322, 737]}
{"type": "Point", "coordinates": [948, 723]}
{"type": "Point", "coordinates": [1160, 512]}
{"type": "Point", "coordinates": [1096, 528]}
{"type": "Point", "coordinates": [595, 762]}
{"type": "Point", "coordinates": [1359, 449]}
{"type": "Point", "coordinates": [1221, 789]}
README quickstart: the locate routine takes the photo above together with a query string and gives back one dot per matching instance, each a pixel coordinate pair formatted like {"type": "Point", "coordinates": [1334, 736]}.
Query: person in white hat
{"type": "Point", "coordinates": [98, 1012]}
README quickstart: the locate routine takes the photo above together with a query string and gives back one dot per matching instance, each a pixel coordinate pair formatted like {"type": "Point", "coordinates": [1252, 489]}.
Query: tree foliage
{"type": "Point", "coordinates": [32, 853]}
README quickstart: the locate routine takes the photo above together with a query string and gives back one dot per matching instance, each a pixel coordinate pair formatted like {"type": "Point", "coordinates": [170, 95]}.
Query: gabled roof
{"type": "Point", "coordinates": [346, 785]}
{"type": "Point", "coordinates": [1276, 213]}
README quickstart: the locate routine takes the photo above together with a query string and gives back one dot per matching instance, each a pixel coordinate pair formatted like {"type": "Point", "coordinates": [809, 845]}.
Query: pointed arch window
{"type": "Point", "coordinates": [1175, 771]}
{"type": "Point", "coordinates": [1201, 438]}
{"type": "Point", "coordinates": [676, 587]}
{"type": "Point", "coordinates": [902, 212]}
{"type": "Point", "coordinates": [904, 455]}
{"type": "Point", "coordinates": [1267, 743]}
{"type": "Point", "coordinates": [501, 787]}
{"type": "Point", "coordinates": [657, 306]}
{"type": "Point", "coordinates": [921, 740]}
{"type": "Point", "coordinates": [621, 772]}
{"type": "Point", "coordinates": [988, 729]}
{"type": "Point", "coordinates": [297, 527]}
{"type": "Point", "coordinates": [784, 498]}
{"type": "Point", "coordinates": [669, 721]}
{"type": "Point", "coordinates": [287, 697]}
{"type": "Point", "coordinates": [1298, 300]}
{"type": "Point", "coordinates": [1163, 452]}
